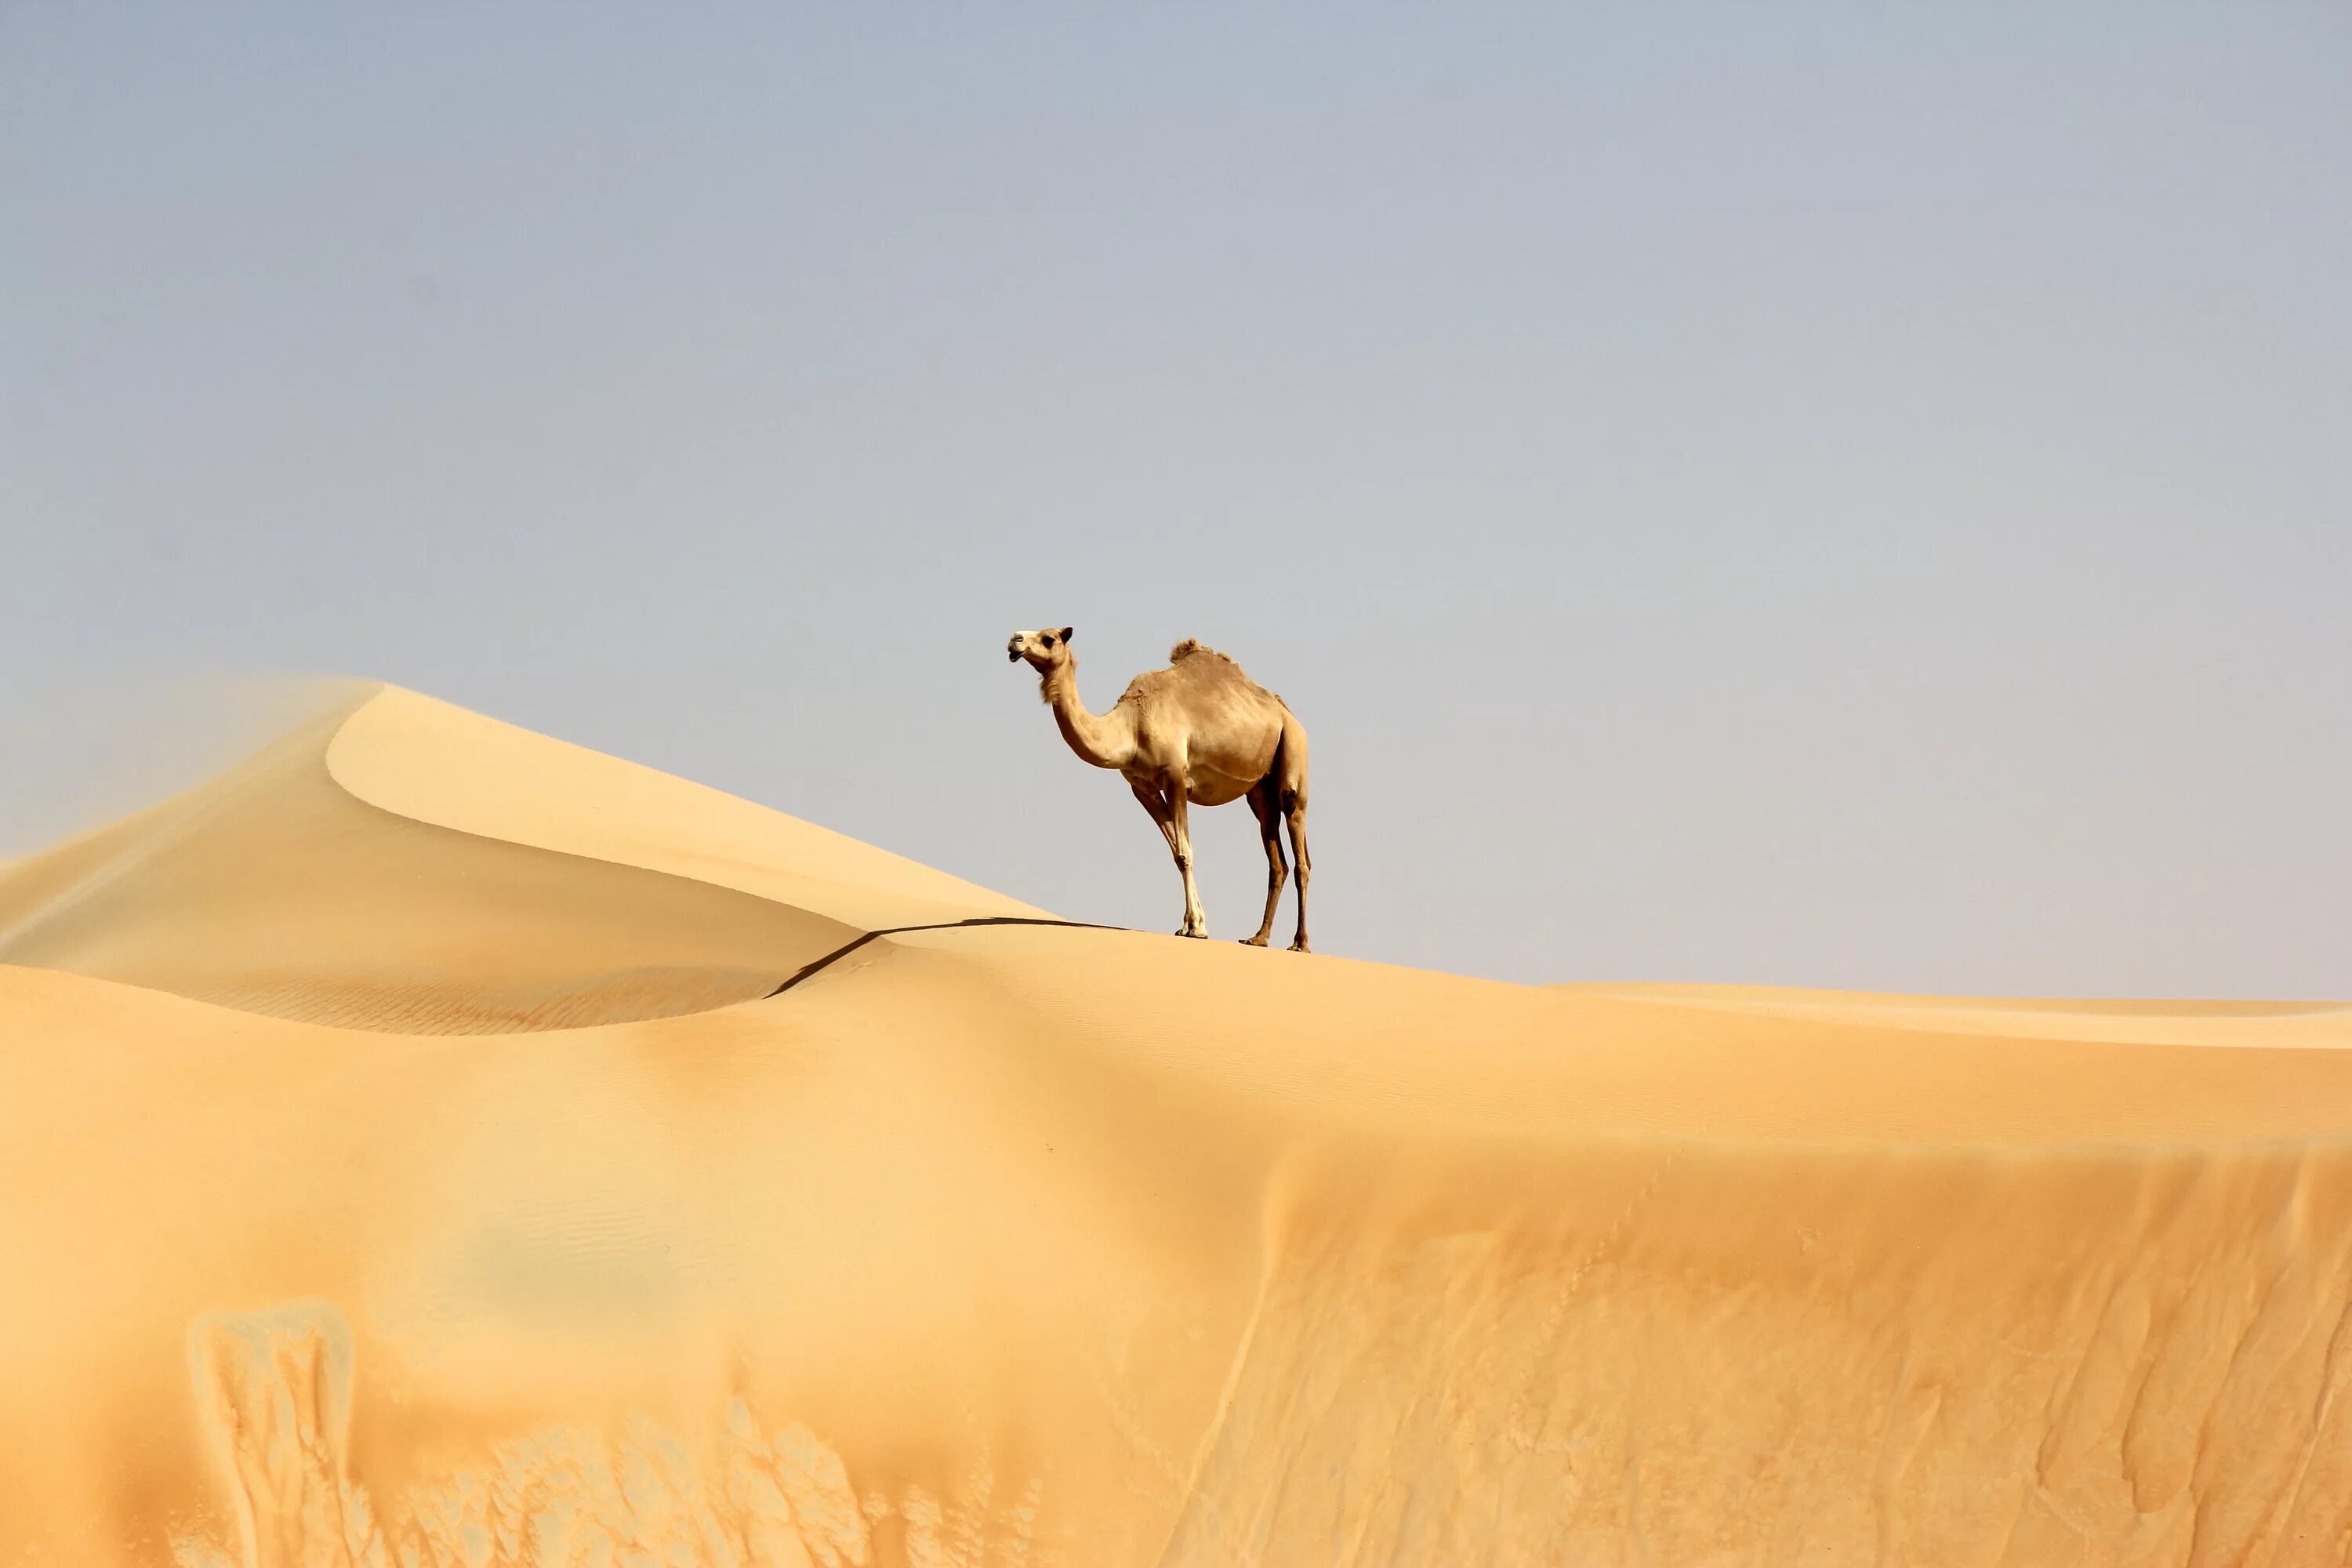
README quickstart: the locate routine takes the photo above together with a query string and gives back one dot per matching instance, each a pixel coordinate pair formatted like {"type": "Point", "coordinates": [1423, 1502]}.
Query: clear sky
{"type": "Point", "coordinates": [1814, 494]}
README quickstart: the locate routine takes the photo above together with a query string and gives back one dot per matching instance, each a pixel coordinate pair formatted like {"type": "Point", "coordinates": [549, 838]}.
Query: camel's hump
{"type": "Point", "coordinates": [1189, 663]}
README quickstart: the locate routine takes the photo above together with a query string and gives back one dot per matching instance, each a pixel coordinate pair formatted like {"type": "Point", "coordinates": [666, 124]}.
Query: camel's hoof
{"type": "Point", "coordinates": [1297, 947]}
{"type": "Point", "coordinates": [1199, 935]}
{"type": "Point", "coordinates": [1252, 942]}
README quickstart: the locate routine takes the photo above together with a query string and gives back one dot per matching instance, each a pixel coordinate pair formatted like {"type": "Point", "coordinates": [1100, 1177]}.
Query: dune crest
{"type": "Point", "coordinates": [396, 864]}
{"type": "Point", "coordinates": [434, 763]}
{"type": "Point", "coordinates": [404, 1163]}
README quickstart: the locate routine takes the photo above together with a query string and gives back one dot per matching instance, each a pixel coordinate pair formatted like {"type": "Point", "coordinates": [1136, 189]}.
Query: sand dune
{"type": "Point", "coordinates": [334, 879]}
{"type": "Point", "coordinates": [2278, 1025]}
{"type": "Point", "coordinates": [1026, 1245]}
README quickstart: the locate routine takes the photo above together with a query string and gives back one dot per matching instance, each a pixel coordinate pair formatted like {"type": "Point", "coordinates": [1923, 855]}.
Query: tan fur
{"type": "Point", "coordinates": [1190, 666]}
{"type": "Point", "coordinates": [1200, 731]}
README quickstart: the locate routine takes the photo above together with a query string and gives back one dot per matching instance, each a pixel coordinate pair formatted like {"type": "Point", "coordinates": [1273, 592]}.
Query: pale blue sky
{"type": "Point", "coordinates": [1816, 494]}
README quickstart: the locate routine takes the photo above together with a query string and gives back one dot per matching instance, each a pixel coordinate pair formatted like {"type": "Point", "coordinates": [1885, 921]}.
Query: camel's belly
{"type": "Point", "coordinates": [1215, 789]}
{"type": "Point", "coordinates": [1226, 774]}
{"type": "Point", "coordinates": [1201, 788]}
{"type": "Point", "coordinates": [1222, 777]}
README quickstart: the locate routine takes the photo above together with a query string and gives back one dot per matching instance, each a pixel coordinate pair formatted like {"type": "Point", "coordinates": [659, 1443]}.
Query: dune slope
{"type": "Point", "coordinates": [393, 865]}
{"type": "Point", "coordinates": [1026, 1244]}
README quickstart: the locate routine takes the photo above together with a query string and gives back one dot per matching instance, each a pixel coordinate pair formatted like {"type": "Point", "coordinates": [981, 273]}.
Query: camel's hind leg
{"type": "Point", "coordinates": [1295, 814]}
{"type": "Point", "coordinates": [1265, 804]}
{"type": "Point", "coordinates": [1292, 798]}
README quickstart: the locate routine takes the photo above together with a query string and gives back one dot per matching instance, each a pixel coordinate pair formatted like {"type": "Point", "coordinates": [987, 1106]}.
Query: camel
{"type": "Point", "coordinates": [1199, 733]}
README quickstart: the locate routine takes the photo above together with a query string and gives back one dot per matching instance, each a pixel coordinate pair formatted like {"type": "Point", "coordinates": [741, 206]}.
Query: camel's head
{"type": "Point", "coordinates": [1046, 650]}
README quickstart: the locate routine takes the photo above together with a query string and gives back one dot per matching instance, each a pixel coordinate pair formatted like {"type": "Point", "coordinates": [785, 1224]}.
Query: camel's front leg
{"type": "Point", "coordinates": [1164, 817]}
{"type": "Point", "coordinates": [1155, 804]}
{"type": "Point", "coordinates": [1196, 920]}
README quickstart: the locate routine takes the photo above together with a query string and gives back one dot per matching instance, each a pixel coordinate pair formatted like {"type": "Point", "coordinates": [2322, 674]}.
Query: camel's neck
{"type": "Point", "coordinates": [1106, 741]}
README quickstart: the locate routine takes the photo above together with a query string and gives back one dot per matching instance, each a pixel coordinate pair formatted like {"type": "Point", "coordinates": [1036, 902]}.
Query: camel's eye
{"type": "Point", "coordinates": [1049, 639]}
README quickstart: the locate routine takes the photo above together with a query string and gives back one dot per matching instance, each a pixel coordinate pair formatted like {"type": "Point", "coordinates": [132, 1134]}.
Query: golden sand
{"type": "Point", "coordinates": [402, 1161]}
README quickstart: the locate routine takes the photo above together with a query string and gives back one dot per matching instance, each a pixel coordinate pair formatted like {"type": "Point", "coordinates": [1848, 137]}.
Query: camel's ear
{"type": "Point", "coordinates": [1065, 634]}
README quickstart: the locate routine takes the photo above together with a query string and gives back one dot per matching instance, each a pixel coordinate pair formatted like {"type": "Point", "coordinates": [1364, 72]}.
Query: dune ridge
{"type": "Point", "coordinates": [1031, 1245]}
{"type": "Point", "coordinates": [323, 881]}
{"type": "Point", "coordinates": [396, 751]}
{"type": "Point", "coordinates": [2278, 1025]}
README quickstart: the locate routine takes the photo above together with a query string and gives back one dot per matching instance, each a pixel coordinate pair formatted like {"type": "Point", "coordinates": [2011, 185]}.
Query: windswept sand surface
{"type": "Point", "coordinates": [402, 1161]}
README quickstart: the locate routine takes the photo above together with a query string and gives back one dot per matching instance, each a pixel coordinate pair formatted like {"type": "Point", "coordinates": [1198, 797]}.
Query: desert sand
{"type": "Point", "coordinates": [406, 1158]}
